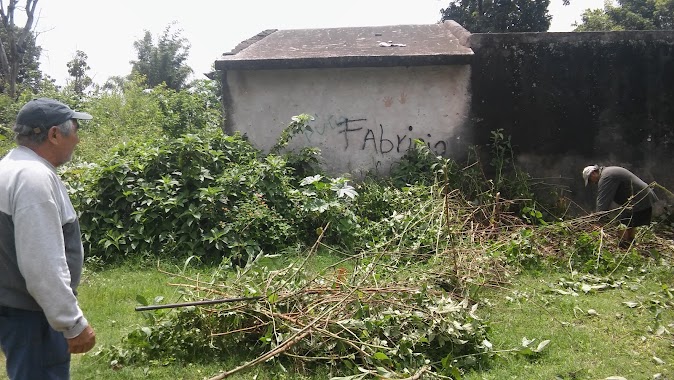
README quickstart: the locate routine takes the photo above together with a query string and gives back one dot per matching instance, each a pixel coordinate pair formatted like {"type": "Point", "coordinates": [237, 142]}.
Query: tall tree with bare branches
{"type": "Point", "coordinates": [16, 38]}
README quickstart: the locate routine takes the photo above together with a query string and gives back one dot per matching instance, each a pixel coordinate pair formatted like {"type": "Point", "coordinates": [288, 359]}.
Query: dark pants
{"type": "Point", "coordinates": [636, 219]}
{"type": "Point", "coordinates": [33, 349]}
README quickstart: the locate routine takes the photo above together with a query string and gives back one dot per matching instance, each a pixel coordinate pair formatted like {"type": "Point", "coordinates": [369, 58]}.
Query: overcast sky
{"type": "Point", "coordinates": [106, 30]}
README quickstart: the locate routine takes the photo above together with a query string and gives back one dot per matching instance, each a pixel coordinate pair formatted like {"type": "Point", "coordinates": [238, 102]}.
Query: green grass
{"type": "Point", "coordinates": [593, 335]}
{"type": "Point", "coordinates": [615, 340]}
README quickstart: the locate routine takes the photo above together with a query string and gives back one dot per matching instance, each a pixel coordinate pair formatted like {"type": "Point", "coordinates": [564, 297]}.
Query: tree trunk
{"type": "Point", "coordinates": [10, 63]}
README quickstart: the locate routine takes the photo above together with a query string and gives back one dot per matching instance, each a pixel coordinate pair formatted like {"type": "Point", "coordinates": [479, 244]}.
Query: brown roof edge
{"type": "Point", "coordinates": [246, 43]}
{"type": "Point", "coordinates": [458, 31]}
{"type": "Point", "coordinates": [344, 62]}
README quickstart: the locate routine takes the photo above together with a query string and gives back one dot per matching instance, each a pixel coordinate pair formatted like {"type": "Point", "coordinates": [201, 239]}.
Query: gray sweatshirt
{"type": "Point", "coordinates": [41, 251]}
{"type": "Point", "coordinates": [621, 186]}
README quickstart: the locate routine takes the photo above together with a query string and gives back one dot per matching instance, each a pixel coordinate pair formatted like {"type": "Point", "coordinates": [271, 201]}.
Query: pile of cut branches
{"type": "Point", "coordinates": [348, 317]}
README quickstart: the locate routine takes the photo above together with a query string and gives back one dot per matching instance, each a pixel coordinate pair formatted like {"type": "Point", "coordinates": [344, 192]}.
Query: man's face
{"type": "Point", "coordinates": [66, 144]}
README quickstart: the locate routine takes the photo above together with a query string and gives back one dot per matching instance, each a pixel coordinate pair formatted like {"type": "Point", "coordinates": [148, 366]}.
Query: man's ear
{"type": "Point", "coordinates": [51, 134]}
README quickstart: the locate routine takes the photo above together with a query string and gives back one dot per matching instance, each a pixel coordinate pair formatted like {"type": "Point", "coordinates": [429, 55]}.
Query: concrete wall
{"type": "Point", "coordinates": [567, 100]}
{"type": "Point", "coordinates": [574, 99]}
{"type": "Point", "coordinates": [365, 118]}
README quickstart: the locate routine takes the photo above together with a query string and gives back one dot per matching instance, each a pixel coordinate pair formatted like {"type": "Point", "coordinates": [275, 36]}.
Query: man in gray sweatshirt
{"type": "Point", "coordinates": [41, 252]}
{"type": "Point", "coordinates": [619, 185]}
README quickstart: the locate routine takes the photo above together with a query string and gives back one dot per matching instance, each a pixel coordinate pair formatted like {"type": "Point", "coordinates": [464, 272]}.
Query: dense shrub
{"type": "Point", "coordinates": [208, 195]}
{"type": "Point", "coordinates": [162, 197]}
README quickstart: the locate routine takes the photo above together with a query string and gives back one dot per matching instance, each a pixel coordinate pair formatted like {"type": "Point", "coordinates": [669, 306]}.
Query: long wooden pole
{"type": "Point", "coordinates": [195, 303]}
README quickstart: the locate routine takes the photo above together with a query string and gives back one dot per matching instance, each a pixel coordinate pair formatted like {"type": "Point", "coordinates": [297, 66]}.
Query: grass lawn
{"type": "Point", "coordinates": [597, 327]}
{"type": "Point", "coordinates": [624, 331]}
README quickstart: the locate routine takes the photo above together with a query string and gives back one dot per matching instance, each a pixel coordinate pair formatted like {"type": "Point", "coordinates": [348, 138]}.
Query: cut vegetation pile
{"type": "Point", "coordinates": [349, 320]}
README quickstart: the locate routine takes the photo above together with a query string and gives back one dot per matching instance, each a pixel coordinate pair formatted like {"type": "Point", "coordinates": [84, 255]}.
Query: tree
{"type": "Point", "coordinates": [116, 83]}
{"type": "Point", "coordinates": [29, 76]}
{"type": "Point", "coordinates": [15, 42]}
{"type": "Point", "coordinates": [77, 69]}
{"type": "Point", "coordinates": [494, 16]}
{"type": "Point", "coordinates": [629, 15]}
{"type": "Point", "coordinates": [164, 62]}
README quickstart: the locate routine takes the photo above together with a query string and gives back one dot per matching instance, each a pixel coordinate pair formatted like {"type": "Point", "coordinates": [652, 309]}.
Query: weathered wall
{"type": "Point", "coordinates": [574, 99]}
{"type": "Point", "coordinates": [365, 118]}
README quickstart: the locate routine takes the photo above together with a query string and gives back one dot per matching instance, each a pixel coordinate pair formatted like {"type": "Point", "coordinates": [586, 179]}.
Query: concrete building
{"type": "Point", "coordinates": [370, 90]}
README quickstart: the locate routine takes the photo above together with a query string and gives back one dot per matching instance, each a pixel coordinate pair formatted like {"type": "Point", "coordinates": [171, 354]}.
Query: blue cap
{"type": "Point", "coordinates": [45, 113]}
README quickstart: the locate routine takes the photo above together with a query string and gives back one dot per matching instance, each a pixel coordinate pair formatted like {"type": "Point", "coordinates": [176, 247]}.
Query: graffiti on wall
{"type": "Point", "coordinates": [360, 134]}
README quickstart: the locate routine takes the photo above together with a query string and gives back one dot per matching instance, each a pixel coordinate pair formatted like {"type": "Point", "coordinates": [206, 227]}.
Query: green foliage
{"type": "Point", "coordinates": [120, 116]}
{"type": "Point", "coordinates": [299, 124]}
{"type": "Point", "coordinates": [629, 15]}
{"type": "Point", "coordinates": [8, 111]}
{"type": "Point", "coordinates": [588, 255]}
{"type": "Point", "coordinates": [511, 182]}
{"type": "Point", "coordinates": [579, 250]}
{"type": "Point", "coordinates": [420, 166]}
{"type": "Point", "coordinates": [494, 16]}
{"type": "Point", "coordinates": [596, 20]}
{"type": "Point", "coordinates": [165, 197]}
{"type": "Point", "coordinates": [77, 69]}
{"type": "Point", "coordinates": [183, 337]}
{"type": "Point", "coordinates": [324, 202]}
{"type": "Point", "coordinates": [305, 162]}
{"type": "Point", "coordinates": [416, 166]}
{"type": "Point", "coordinates": [533, 216]}
{"type": "Point", "coordinates": [188, 111]}
{"type": "Point", "coordinates": [207, 195]}
{"type": "Point", "coordinates": [418, 228]}
{"type": "Point", "coordinates": [407, 219]}
{"type": "Point", "coordinates": [163, 62]}
{"type": "Point", "coordinates": [377, 200]}
{"type": "Point", "coordinates": [129, 112]}
{"type": "Point", "coordinates": [521, 249]}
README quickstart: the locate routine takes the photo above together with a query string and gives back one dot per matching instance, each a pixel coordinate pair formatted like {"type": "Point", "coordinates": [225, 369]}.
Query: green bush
{"type": "Point", "coordinates": [207, 195]}
{"type": "Point", "coordinates": [188, 111]}
{"type": "Point", "coordinates": [163, 197]}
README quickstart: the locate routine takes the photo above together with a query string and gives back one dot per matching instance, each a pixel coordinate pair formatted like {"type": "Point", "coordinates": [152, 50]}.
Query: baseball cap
{"type": "Point", "coordinates": [45, 113]}
{"type": "Point", "coordinates": [588, 170]}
